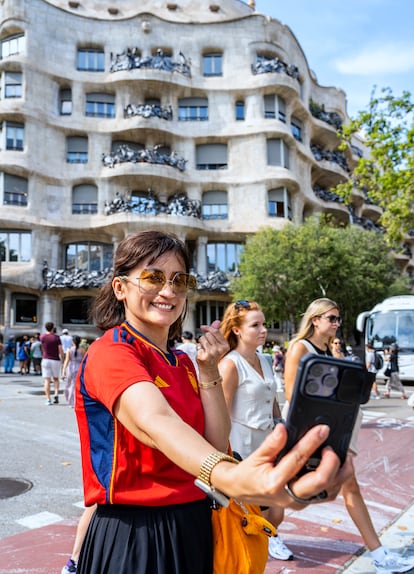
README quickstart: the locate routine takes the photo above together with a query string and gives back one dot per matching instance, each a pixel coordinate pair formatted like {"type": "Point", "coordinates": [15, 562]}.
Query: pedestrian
{"type": "Point", "coordinates": [188, 345]}
{"type": "Point", "coordinates": [372, 369]}
{"type": "Point", "coordinates": [73, 359]}
{"type": "Point", "coordinates": [394, 380]}
{"type": "Point", "coordinates": [250, 391]}
{"type": "Point", "coordinates": [148, 426]}
{"type": "Point", "coordinates": [23, 355]}
{"type": "Point", "coordinates": [317, 329]}
{"type": "Point", "coordinates": [52, 355]}
{"type": "Point", "coordinates": [71, 565]}
{"type": "Point", "coordinates": [9, 351]}
{"type": "Point", "coordinates": [337, 348]}
{"type": "Point", "coordinates": [66, 341]}
{"type": "Point", "coordinates": [36, 353]}
{"type": "Point", "coordinates": [278, 363]}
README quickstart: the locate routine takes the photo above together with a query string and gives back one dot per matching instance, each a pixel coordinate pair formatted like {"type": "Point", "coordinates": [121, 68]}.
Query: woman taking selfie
{"type": "Point", "coordinates": [148, 426]}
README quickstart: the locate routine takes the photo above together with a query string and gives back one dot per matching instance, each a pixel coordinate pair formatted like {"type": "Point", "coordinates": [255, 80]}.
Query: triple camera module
{"type": "Point", "coordinates": [322, 380]}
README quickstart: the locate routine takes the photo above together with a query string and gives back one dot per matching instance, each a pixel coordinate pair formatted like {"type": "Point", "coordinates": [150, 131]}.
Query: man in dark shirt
{"type": "Point", "coordinates": [52, 354]}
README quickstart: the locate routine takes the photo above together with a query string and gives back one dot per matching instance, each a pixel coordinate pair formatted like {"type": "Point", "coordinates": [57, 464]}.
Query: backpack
{"type": "Point", "coordinates": [378, 361]}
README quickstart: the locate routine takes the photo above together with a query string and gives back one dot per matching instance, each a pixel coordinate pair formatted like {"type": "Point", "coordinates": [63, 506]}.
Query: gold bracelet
{"type": "Point", "coordinates": [210, 462]}
{"type": "Point", "coordinates": [211, 384]}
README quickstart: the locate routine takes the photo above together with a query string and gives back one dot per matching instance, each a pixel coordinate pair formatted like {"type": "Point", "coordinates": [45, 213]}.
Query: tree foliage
{"type": "Point", "coordinates": [285, 270]}
{"type": "Point", "coordinates": [387, 176]}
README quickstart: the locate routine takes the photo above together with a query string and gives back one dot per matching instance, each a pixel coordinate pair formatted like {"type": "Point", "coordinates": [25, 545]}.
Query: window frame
{"type": "Point", "coordinates": [212, 64]}
{"type": "Point", "coordinates": [94, 60]}
{"type": "Point", "coordinates": [95, 100]}
{"type": "Point", "coordinates": [20, 40]}
{"type": "Point", "coordinates": [85, 207]}
{"type": "Point", "coordinates": [214, 209]}
{"type": "Point", "coordinates": [18, 299]}
{"type": "Point", "coordinates": [8, 238]}
{"type": "Point", "coordinates": [283, 208]}
{"type": "Point", "coordinates": [19, 196]}
{"type": "Point", "coordinates": [7, 84]}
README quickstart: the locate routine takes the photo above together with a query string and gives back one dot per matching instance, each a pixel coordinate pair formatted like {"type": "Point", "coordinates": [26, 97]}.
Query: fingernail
{"type": "Point", "coordinates": [324, 431]}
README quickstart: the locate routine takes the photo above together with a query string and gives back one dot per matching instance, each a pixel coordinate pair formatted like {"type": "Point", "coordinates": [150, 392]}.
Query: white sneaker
{"type": "Point", "coordinates": [394, 562]}
{"type": "Point", "coordinates": [279, 550]}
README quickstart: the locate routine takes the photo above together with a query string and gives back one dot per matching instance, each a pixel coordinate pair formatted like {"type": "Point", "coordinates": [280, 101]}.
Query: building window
{"type": "Point", "coordinates": [16, 246]}
{"type": "Point", "coordinates": [296, 128]}
{"type": "Point", "coordinates": [193, 109]}
{"type": "Point", "coordinates": [213, 64]}
{"type": "Point", "coordinates": [211, 156]}
{"type": "Point", "coordinates": [13, 45]}
{"type": "Point", "coordinates": [65, 102]}
{"type": "Point", "coordinates": [15, 190]}
{"type": "Point", "coordinates": [13, 87]}
{"type": "Point", "coordinates": [277, 153]}
{"type": "Point", "coordinates": [99, 105]}
{"type": "Point", "coordinates": [209, 311]}
{"type": "Point", "coordinates": [223, 256]}
{"type": "Point", "coordinates": [85, 199]}
{"type": "Point", "coordinates": [91, 60]}
{"type": "Point", "coordinates": [214, 205]}
{"type": "Point", "coordinates": [14, 136]}
{"type": "Point", "coordinates": [239, 111]}
{"type": "Point", "coordinates": [88, 256]}
{"type": "Point", "coordinates": [76, 149]}
{"type": "Point", "coordinates": [76, 310]}
{"type": "Point", "coordinates": [25, 308]}
{"type": "Point", "coordinates": [274, 107]}
{"type": "Point", "coordinates": [279, 203]}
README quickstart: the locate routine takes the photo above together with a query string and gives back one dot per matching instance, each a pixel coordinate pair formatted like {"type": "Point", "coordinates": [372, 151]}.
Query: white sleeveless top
{"type": "Point", "coordinates": [254, 398]}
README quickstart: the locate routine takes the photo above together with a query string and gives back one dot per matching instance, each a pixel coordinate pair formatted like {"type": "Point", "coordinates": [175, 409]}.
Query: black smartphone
{"type": "Point", "coordinates": [327, 391]}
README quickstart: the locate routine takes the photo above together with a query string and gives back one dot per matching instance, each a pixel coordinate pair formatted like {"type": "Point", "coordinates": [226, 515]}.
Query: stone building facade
{"type": "Point", "coordinates": [201, 118]}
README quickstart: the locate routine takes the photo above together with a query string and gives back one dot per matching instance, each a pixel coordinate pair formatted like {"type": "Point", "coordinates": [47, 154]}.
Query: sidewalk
{"type": "Point", "coordinates": [398, 535]}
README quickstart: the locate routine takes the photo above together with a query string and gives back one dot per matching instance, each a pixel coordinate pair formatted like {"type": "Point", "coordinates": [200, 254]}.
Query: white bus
{"type": "Point", "coordinates": [392, 321]}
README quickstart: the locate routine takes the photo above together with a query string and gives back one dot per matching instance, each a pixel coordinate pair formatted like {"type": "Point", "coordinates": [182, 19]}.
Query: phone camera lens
{"type": "Point", "coordinates": [330, 381]}
{"type": "Point", "coordinates": [312, 387]}
{"type": "Point", "coordinates": [316, 370]}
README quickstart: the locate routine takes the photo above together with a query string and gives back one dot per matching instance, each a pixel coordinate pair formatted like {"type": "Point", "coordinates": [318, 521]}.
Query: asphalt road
{"type": "Point", "coordinates": [39, 444]}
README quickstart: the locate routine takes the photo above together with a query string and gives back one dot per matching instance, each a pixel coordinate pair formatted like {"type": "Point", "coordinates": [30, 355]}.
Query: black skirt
{"type": "Point", "coordinates": [127, 539]}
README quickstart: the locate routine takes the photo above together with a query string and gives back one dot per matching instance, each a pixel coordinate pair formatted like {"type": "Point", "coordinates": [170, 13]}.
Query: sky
{"type": "Point", "coordinates": [354, 44]}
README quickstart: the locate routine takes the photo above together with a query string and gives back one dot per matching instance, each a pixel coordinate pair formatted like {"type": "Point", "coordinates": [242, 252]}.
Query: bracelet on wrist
{"type": "Point", "coordinates": [211, 384]}
{"type": "Point", "coordinates": [204, 477]}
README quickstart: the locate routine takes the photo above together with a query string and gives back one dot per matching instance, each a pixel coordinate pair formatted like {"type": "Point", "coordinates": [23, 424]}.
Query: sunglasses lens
{"type": "Point", "coordinates": [182, 282]}
{"type": "Point", "coordinates": [152, 280]}
{"type": "Point", "coordinates": [335, 319]}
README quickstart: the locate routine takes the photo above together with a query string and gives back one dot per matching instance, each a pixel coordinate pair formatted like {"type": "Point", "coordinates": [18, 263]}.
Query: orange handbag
{"type": "Point", "coordinates": [240, 539]}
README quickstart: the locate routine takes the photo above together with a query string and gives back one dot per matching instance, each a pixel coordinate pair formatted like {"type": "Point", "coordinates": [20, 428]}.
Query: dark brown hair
{"type": "Point", "coordinates": [107, 311]}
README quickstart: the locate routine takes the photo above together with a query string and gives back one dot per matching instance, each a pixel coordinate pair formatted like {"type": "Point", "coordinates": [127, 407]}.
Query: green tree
{"type": "Point", "coordinates": [387, 176]}
{"type": "Point", "coordinates": [285, 270]}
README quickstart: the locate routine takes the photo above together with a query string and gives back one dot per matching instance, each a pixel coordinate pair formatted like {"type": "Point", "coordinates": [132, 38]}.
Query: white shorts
{"type": "Point", "coordinates": [50, 369]}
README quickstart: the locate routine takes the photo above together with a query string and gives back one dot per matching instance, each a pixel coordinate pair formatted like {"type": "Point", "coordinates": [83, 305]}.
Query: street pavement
{"type": "Point", "coordinates": [40, 448]}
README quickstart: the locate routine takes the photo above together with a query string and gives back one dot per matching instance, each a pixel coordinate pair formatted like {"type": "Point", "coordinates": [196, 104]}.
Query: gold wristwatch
{"type": "Point", "coordinates": [204, 477]}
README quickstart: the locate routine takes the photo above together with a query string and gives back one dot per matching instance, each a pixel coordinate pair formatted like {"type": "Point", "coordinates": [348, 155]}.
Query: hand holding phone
{"type": "Point", "coordinates": [326, 391]}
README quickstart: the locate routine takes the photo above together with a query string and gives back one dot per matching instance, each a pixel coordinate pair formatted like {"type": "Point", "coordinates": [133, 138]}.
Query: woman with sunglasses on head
{"type": "Point", "coordinates": [250, 391]}
{"type": "Point", "coordinates": [148, 426]}
{"type": "Point", "coordinates": [316, 332]}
